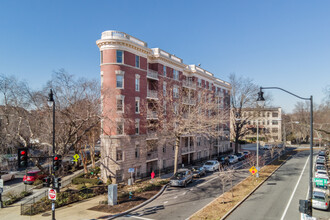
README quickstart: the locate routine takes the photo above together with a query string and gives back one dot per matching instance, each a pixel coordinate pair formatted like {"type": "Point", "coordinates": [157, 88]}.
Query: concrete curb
{"type": "Point", "coordinates": [247, 196]}
{"type": "Point", "coordinates": [138, 206]}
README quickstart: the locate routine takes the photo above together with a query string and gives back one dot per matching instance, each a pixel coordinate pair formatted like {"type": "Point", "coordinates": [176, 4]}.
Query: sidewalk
{"type": "Point", "coordinates": [75, 211]}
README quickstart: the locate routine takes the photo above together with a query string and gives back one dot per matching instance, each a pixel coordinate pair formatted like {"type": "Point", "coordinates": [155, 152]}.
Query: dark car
{"type": "Point", "coordinates": [240, 156]}
{"type": "Point", "coordinates": [224, 160]}
{"type": "Point", "coordinates": [247, 154]}
{"type": "Point", "coordinates": [198, 171]}
{"type": "Point", "coordinates": [181, 178]}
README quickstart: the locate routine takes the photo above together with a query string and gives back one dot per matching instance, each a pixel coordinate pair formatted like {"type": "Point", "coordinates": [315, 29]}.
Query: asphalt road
{"type": "Point", "coordinates": [278, 197]}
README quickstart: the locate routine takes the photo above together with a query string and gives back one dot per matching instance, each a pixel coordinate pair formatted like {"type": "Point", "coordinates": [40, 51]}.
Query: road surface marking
{"type": "Point", "coordinates": [165, 202]}
{"type": "Point", "coordinates": [133, 216]}
{"type": "Point", "coordinates": [207, 181]}
{"type": "Point", "coordinates": [295, 188]}
{"type": "Point", "coordinates": [175, 197]}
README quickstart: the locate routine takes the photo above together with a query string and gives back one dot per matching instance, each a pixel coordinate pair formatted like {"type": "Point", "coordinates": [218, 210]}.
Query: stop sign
{"type": "Point", "coordinates": [51, 194]}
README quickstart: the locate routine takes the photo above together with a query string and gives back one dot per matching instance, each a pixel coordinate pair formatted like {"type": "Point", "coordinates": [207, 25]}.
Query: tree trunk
{"type": "Point", "coordinates": [84, 159]}
{"type": "Point", "coordinates": [176, 154]}
{"type": "Point", "coordinates": [92, 150]}
{"type": "Point", "coordinates": [236, 144]}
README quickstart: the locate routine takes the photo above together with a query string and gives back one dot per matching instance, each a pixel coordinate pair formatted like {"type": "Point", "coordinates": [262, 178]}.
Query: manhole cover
{"type": "Point", "coordinates": [46, 214]}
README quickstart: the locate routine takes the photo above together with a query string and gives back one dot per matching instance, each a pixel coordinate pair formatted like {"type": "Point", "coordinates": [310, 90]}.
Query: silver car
{"type": "Point", "coordinates": [181, 178]}
{"type": "Point", "coordinates": [320, 200]}
{"type": "Point", "coordinates": [211, 165]}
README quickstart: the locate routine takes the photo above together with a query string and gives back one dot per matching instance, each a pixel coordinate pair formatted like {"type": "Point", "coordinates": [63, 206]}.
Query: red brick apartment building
{"type": "Point", "coordinates": [132, 76]}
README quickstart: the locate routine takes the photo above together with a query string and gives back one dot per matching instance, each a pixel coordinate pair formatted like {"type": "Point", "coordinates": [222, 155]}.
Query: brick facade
{"type": "Point", "coordinates": [121, 151]}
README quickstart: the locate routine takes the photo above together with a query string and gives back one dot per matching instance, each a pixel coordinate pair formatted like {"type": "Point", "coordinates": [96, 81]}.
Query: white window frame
{"type": "Point", "coordinates": [122, 98]}
{"type": "Point", "coordinates": [199, 82]}
{"type": "Point", "coordinates": [137, 126]}
{"type": "Point", "coordinates": [122, 74]}
{"type": "Point", "coordinates": [164, 71]}
{"type": "Point", "coordinates": [175, 74]}
{"type": "Point", "coordinates": [122, 154]}
{"type": "Point", "coordinates": [175, 92]}
{"type": "Point", "coordinates": [137, 105]}
{"type": "Point", "coordinates": [137, 82]}
{"type": "Point", "coordinates": [123, 127]}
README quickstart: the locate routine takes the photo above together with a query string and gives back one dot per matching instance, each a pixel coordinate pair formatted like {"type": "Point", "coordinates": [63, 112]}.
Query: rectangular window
{"type": "Point", "coordinates": [274, 122]}
{"type": "Point", "coordinates": [199, 82]}
{"type": "Point", "coordinates": [164, 89]}
{"type": "Point", "coordinates": [275, 114]}
{"type": "Point", "coordinates": [164, 70]}
{"type": "Point", "coordinates": [120, 81]}
{"type": "Point", "coordinates": [137, 151]}
{"type": "Point", "coordinates": [137, 61]}
{"type": "Point", "coordinates": [120, 105]}
{"type": "Point", "coordinates": [274, 130]}
{"type": "Point", "coordinates": [198, 141]}
{"type": "Point", "coordinates": [137, 127]}
{"type": "Point", "coordinates": [164, 107]}
{"type": "Point", "coordinates": [137, 106]}
{"type": "Point", "coordinates": [119, 155]}
{"type": "Point", "coordinates": [119, 56]}
{"type": "Point", "coordinates": [175, 92]}
{"type": "Point", "coordinates": [175, 75]}
{"type": "Point", "coordinates": [164, 148]}
{"type": "Point", "coordinates": [137, 84]}
{"type": "Point", "coordinates": [101, 57]}
{"type": "Point", "coordinates": [120, 128]}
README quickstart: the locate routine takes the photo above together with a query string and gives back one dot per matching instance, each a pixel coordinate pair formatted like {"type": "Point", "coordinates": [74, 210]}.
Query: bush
{"type": "Point", "coordinates": [79, 180]}
{"type": "Point", "coordinates": [37, 182]}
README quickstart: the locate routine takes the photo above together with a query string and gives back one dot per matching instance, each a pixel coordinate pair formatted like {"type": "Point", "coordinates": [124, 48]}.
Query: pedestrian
{"type": "Point", "coordinates": [152, 174]}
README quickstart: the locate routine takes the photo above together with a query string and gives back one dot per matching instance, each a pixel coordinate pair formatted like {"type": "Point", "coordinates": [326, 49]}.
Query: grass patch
{"type": "Point", "coordinates": [223, 204]}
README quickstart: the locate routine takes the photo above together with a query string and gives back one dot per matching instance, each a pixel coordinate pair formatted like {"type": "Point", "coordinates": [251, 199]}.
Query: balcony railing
{"type": "Point", "coordinates": [152, 74]}
{"type": "Point", "coordinates": [219, 94]}
{"type": "Point", "coordinates": [152, 155]}
{"type": "Point", "coordinates": [152, 94]}
{"type": "Point", "coordinates": [152, 115]}
{"type": "Point", "coordinates": [189, 84]}
{"type": "Point", "coordinates": [188, 101]}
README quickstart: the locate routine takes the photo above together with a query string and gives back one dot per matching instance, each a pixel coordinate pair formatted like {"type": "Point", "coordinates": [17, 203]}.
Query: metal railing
{"type": "Point", "coordinates": [189, 84]}
{"type": "Point", "coordinates": [152, 115]}
{"type": "Point", "coordinates": [152, 74]}
{"type": "Point", "coordinates": [152, 94]}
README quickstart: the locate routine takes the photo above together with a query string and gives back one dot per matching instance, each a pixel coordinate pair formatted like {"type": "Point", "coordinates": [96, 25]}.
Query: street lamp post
{"type": "Point", "coordinates": [261, 102]}
{"type": "Point", "coordinates": [257, 174]}
{"type": "Point", "coordinates": [52, 101]}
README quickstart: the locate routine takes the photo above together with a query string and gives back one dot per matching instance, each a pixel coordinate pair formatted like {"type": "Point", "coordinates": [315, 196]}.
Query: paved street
{"type": "Point", "coordinates": [278, 197]}
{"type": "Point", "coordinates": [180, 203]}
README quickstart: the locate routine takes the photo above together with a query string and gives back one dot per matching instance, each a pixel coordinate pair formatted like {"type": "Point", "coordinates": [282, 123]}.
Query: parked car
{"type": "Point", "coordinates": [320, 167]}
{"type": "Point", "coordinates": [198, 171]}
{"type": "Point", "coordinates": [321, 174]}
{"type": "Point", "coordinates": [7, 175]}
{"type": "Point", "coordinates": [233, 159]}
{"type": "Point", "coordinates": [211, 165]}
{"type": "Point", "coordinates": [267, 147]}
{"type": "Point", "coordinates": [322, 153]}
{"type": "Point", "coordinates": [247, 154]}
{"type": "Point", "coordinates": [320, 200]}
{"type": "Point", "coordinates": [240, 156]}
{"type": "Point", "coordinates": [320, 188]}
{"type": "Point", "coordinates": [224, 160]}
{"type": "Point", "coordinates": [320, 162]}
{"type": "Point", "coordinates": [181, 178]}
{"type": "Point", "coordinates": [320, 157]}
{"type": "Point", "coordinates": [32, 176]}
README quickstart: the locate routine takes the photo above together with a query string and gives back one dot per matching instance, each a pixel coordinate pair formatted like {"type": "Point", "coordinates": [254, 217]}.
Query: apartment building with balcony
{"type": "Point", "coordinates": [269, 123]}
{"type": "Point", "coordinates": [133, 79]}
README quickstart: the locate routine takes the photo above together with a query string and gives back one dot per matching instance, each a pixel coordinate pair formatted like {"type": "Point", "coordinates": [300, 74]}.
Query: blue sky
{"type": "Point", "coordinates": [281, 43]}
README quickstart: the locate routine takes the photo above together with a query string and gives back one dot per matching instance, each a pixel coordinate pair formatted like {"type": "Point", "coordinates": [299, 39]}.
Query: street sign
{"type": "Point", "coordinates": [52, 194]}
{"type": "Point", "coordinates": [131, 170]}
{"type": "Point", "coordinates": [76, 157]}
{"type": "Point", "coordinates": [1, 183]}
{"type": "Point", "coordinates": [253, 170]}
{"type": "Point", "coordinates": [320, 182]}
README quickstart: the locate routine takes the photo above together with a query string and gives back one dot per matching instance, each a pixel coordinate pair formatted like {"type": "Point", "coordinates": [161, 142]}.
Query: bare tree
{"type": "Point", "coordinates": [243, 95]}
{"type": "Point", "coordinates": [180, 116]}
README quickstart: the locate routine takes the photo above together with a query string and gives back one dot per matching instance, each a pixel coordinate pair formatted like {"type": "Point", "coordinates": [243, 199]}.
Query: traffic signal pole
{"type": "Point", "coordinates": [51, 99]}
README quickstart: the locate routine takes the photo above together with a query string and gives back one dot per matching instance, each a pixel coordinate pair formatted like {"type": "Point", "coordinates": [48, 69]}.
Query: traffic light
{"type": "Point", "coordinates": [57, 162]}
{"type": "Point", "coordinates": [22, 157]}
{"type": "Point", "coordinates": [46, 181]}
{"type": "Point", "coordinates": [57, 183]}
